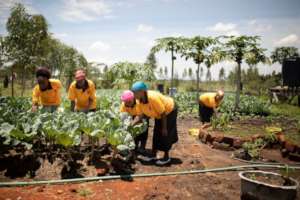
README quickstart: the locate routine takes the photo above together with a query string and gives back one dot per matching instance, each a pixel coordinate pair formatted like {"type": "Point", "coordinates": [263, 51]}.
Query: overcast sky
{"type": "Point", "coordinates": [117, 30]}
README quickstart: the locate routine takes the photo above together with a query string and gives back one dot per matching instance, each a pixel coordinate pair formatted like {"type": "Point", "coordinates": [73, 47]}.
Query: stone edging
{"type": "Point", "coordinates": [220, 141]}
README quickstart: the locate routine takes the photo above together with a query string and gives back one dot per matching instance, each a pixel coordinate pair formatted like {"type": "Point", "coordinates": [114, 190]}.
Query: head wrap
{"type": "Point", "coordinates": [138, 86]}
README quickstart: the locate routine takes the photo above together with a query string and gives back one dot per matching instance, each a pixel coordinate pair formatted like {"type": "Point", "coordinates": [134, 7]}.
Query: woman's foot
{"type": "Point", "coordinates": [205, 125]}
{"type": "Point", "coordinates": [148, 158]}
{"type": "Point", "coordinates": [163, 161]}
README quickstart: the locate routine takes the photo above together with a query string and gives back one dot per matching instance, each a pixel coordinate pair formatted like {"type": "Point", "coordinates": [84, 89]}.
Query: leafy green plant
{"type": "Point", "coordinates": [249, 105]}
{"type": "Point", "coordinates": [84, 192]}
{"type": "Point", "coordinates": [187, 103]}
{"type": "Point", "coordinates": [270, 138]}
{"type": "Point", "coordinates": [253, 148]}
{"type": "Point", "coordinates": [220, 122]}
{"type": "Point", "coordinates": [63, 128]}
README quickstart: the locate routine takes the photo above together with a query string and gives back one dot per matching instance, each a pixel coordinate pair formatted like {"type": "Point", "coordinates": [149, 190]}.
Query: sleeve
{"type": "Point", "coordinates": [122, 108]}
{"type": "Point", "coordinates": [212, 102]}
{"type": "Point", "coordinates": [36, 95]}
{"type": "Point", "coordinates": [200, 100]}
{"type": "Point", "coordinates": [138, 110]}
{"type": "Point", "coordinates": [203, 99]}
{"type": "Point", "coordinates": [59, 86]}
{"type": "Point", "coordinates": [207, 100]}
{"type": "Point", "coordinates": [71, 93]}
{"type": "Point", "coordinates": [158, 105]}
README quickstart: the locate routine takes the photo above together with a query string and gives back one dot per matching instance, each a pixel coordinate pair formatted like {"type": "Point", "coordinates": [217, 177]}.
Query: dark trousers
{"type": "Point", "coordinates": [205, 113]}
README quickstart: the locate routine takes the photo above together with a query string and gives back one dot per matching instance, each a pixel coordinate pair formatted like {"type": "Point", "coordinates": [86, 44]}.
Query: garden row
{"type": "Point", "coordinates": [252, 145]}
{"type": "Point", "coordinates": [19, 126]}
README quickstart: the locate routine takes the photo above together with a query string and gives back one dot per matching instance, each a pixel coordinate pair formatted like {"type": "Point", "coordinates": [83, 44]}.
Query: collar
{"type": "Point", "coordinates": [48, 88]}
{"type": "Point", "coordinates": [145, 100]}
{"type": "Point", "coordinates": [85, 87]}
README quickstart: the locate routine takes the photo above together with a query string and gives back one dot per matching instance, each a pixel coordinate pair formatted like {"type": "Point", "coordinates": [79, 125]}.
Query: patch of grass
{"type": "Point", "coordinates": [84, 192]}
{"type": "Point", "coordinates": [294, 137]}
{"type": "Point", "coordinates": [17, 91]}
{"type": "Point", "coordinates": [241, 130]}
{"type": "Point", "coordinates": [286, 110]}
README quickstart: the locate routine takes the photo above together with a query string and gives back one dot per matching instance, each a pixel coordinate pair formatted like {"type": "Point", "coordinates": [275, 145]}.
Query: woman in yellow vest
{"type": "Point", "coordinates": [82, 93]}
{"type": "Point", "coordinates": [130, 106]}
{"type": "Point", "coordinates": [163, 109]}
{"type": "Point", "coordinates": [208, 104]}
{"type": "Point", "coordinates": [47, 92]}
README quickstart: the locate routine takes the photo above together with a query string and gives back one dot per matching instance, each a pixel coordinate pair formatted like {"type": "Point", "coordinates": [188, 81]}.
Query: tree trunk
{"type": "Point", "coordinates": [172, 72]}
{"type": "Point", "coordinates": [23, 81]}
{"type": "Point", "coordinates": [238, 86]}
{"type": "Point", "coordinates": [69, 81]}
{"type": "Point", "coordinates": [198, 79]}
{"type": "Point", "coordinates": [32, 80]}
{"type": "Point", "coordinates": [12, 81]}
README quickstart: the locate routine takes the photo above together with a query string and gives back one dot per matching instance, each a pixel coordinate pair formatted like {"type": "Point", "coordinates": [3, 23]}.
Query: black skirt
{"type": "Point", "coordinates": [205, 113]}
{"type": "Point", "coordinates": [143, 136]}
{"type": "Point", "coordinates": [164, 143]}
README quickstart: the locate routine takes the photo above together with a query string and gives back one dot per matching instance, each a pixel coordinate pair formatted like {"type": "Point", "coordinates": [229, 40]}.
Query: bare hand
{"type": "Point", "coordinates": [34, 108]}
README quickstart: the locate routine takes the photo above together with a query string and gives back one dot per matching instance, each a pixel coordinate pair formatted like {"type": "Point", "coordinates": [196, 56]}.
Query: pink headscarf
{"type": "Point", "coordinates": [127, 96]}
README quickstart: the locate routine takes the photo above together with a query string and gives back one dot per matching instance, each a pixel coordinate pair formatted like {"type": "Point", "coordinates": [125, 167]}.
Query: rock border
{"type": "Point", "coordinates": [229, 143]}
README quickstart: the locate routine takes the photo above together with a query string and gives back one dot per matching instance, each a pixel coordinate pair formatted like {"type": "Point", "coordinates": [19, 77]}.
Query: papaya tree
{"type": "Point", "coordinates": [169, 44]}
{"type": "Point", "coordinates": [199, 50]}
{"type": "Point", "coordinates": [239, 49]}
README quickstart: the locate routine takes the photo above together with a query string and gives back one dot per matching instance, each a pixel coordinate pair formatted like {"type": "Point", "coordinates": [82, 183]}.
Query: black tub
{"type": "Point", "coordinates": [257, 190]}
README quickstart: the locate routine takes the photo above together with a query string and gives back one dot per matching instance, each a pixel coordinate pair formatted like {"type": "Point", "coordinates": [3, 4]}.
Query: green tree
{"type": "Point", "coordinates": [222, 74]}
{"type": "Point", "coordinates": [199, 49]}
{"type": "Point", "coordinates": [74, 60]}
{"type": "Point", "coordinates": [169, 44]}
{"type": "Point", "coordinates": [239, 49]}
{"type": "Point", "coordinates": [127, 72]}
{"type": "Point", "coordinates": [94, 71]}
{"type": "Point", "coordinates": [26, 35]}
{"type": "Point", "coordinates": [176, 79]}
{"type": "Point", "coordinates": [3, 51]}
{"type": "Point", "coordinates": [151, 61]}
{"type": "Point", "coordinates": [190, 73]}
{"type": "Point", "coordinates": [201, 73]}
{"type": "Point", "coordinates": [105, 69]}
{"type": "Point", "coordinates": [184, 73]}
{"type": "Point", "coordinates": [161, 73]}
{"type": "Point", "coordinates": [56, 56]}
{"type": "Point", "coordinates": [208, 75]}
{"type": "Point", "coordinates": [282, 53]}
{"type": "Point", "coordinates": [166, 72]}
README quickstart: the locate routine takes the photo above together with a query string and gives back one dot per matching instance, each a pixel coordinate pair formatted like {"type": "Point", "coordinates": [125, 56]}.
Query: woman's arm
{"type": "Point", "coordinates": [137, 119]}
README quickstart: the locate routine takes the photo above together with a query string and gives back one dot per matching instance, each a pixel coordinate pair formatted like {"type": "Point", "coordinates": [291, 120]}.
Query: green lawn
{"type": "Point", "coordinates": [286, 109]}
